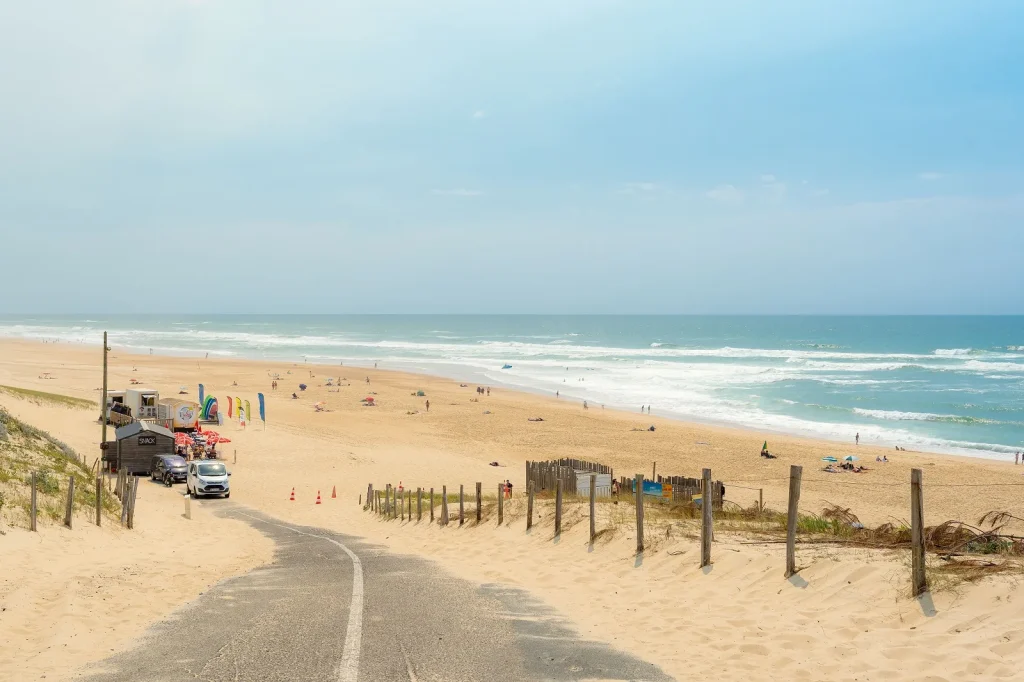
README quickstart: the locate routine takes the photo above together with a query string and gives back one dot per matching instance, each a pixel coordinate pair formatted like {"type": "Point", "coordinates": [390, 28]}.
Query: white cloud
{"type": "Point", "coordinates": [931, 176]}
{"type": "Point", "coordinates": [726, 194]}
{"type": "Point", "coordinates": [639, 188]}
{"type": "Point", "coordinates": [458, 192]}
{"type": "Point", "coordinates": [479, 113]}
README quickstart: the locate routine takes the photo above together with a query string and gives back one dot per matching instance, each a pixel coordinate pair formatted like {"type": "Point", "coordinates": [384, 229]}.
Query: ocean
{"type": "Point", "coordinates": [943, 384]}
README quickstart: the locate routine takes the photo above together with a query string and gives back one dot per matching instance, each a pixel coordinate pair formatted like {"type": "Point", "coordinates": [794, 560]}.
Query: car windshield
{"type": "Point", "coordinates": [211, 470]}
{"type": "Point", "coordinates": [175, 461]}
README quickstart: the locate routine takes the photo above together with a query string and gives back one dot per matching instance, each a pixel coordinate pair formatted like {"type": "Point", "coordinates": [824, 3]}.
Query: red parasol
{"type": "Point", "coordinates": [182, 439]}
{"type": "Point", "coordinates": [215, 440]}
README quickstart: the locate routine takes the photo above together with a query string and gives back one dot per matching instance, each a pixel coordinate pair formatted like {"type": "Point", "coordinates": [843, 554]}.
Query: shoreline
{"type": "Point", "coordinates": [462, 373]}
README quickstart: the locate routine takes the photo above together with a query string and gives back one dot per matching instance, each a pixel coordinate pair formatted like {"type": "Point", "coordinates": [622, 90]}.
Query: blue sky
{"type": "Point", "coordinates": [475, 156]}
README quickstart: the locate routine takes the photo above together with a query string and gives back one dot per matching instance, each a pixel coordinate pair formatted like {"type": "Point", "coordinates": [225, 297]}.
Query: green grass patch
{"type": "Point", "coordinates": [49, 398]}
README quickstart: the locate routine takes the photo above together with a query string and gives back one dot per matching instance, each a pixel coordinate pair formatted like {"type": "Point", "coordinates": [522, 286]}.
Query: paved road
{"type": "Point", "coordinates": [333, 608]}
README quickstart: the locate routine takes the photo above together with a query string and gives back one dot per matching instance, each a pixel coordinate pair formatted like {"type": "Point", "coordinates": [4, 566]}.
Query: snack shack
{"type": "Point", "coordinates": [136, 444]}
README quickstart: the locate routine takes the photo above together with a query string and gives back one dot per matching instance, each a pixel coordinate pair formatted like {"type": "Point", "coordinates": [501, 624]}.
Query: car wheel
{"type": "Point", "coordinates": [227, 495]}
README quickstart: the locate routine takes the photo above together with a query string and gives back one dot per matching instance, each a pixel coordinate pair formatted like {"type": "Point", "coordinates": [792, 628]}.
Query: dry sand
{"type": "Point", "coordinates": [847, 615]}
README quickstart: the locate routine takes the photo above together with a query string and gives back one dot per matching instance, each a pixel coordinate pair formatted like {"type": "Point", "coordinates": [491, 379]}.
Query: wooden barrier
{"type": "Point", "coordinates": [408, 505]}
{"type": "Point", "coordinates": [369, 495]}
{"type": "Point", "coordinates": [478, 484]}
{"type": "Point", "coordinates": [558, 507]}
{"type": "Point", "coordinates": [124, 503]}
{"type": "Point", "coordinates": [795, 473]}
{"type": "Point", "coordinates": [431, 505]}
{"type": "Point", "coordinates": [401, 506]}
{"type": "Point", "coordinates": [593, 500]}
{"type": "Point", "coordinates": [69, 507]}
{"type": "Point", "coordinates": [705, 525]}
{"type": "Point", "coordinates": [501, 504]}
{"type": "Point", "coordinates": [34, 508]}
{"type": "Point", "coordinates": [131, 503]}
{"type": "Point", "coordinates": [419, 504]}
{"type": "Point", "coordinates": [639, 494]}
{"type": "Point", "coordinates": [462, 504]}
{"type": "Point", "coordinates": [99, 501]}
{"type": "Point", "coordinates": [529, 505]}
{"type": "Point", "coordinates": [919, 581]}
{"type": "Point", "coordinates": [444, 505]}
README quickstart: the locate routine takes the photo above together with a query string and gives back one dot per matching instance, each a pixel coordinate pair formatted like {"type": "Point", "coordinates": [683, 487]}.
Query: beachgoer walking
{"type": "Point", "coordinates": [585, 405]}
{"type": "Point", "coordinates": [428, 405]}
{"type": "Point", "coordinates": [375, 365]}
{"type": "Point", "coordinates": [857, 438]}
{"type": "Point", "coordinates": [367, 379]}
{"type": "Point", "coordinates": [557, 393]}
{"type": "Point", "coordinates": [508, 489]}
{"type": "Point", "coordinates": [488, 391]}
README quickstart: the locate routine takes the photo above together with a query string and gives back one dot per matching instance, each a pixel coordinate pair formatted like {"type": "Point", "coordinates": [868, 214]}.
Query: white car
{"type": "Point", "coordinates": [207, 478]}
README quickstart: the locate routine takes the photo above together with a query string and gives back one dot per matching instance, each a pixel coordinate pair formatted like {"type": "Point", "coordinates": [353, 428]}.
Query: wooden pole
{"type": "Point", "coordinates": [654, 471]}
{"type": "Point", "coordinates": [462, 504]}
{"type": "Point", "coordinates": [236, 450]}
{"type": "Point", "coordinates": [99, 501]}
{"type": "Point", "coordinates": [134, 488]}
{"type": "Point", "coordinates": [795, 473]}
{"type": "Point", "coordinates": [35, 507]}
{"type": "Point", "coordinates": [431, 505]}
{"type": "Point", "coordinates": [103, 398]}
{"type": "Point", "coordinates": [69, 509]}
{"type": "Point", "coordinates": [558, 507]}
{"type": "Point", "coordinates": [706, 504]}
{"type": "Point", "coordinates": [444, 505]}
{"type": "Point", "coordinates": [760, 500]}
{"type": "Point", "coordinates": [593, 505]}
{"type": "Point", "coordinates": [188, 507]}
{"type": "Point", "coordinates": [501, 504]}
{"type": "Point", "coordinates": [478, 484]}
{"type": "Point", "coordinates": [408, 505]}
{"type": "Point", "coordinates": [401, 506]}
{"type": "Point", "coordinates": [639, 482]}
{"type": "Point", "coordinates": [919, 579]}
{"type": "Point", "coordinates": [529, 505]}
{"type": "Point", "coordinates": [419, 504]}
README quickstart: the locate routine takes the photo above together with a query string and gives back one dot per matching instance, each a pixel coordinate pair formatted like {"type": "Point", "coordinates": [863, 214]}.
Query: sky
{"type": "Point", "coordinates": [479, 156]}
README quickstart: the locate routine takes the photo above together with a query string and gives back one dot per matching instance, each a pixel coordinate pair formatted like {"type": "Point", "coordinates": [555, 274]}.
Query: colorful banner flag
{"type": "Point", "coordinates": [230, 404]}
{"type": "Point", "coordinates": [238, 402]}
{"type": "Point", "coordinates": [202, 392]}
{"type": "Point", "coordinates": [263, 407]}
{"type": "Point", "coordinates": [248, 412]}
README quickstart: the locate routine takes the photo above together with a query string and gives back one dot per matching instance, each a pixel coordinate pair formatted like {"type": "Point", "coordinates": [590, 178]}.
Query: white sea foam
{"type": "Point", "coordinates": [952, 352]}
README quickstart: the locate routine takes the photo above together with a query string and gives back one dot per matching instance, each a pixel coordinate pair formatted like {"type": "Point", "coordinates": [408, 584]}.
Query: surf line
{"type": "Point", "coordinates": [348, 670]}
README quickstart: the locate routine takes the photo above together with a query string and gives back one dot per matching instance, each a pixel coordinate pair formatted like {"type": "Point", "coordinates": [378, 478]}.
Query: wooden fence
{"type": "Point", "coordinates": [546, 475]}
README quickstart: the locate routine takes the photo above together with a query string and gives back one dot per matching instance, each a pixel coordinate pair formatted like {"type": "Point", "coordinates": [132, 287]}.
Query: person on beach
{"type": "Point", "coordinates": [508, 489]}
{"type": "Point", "coordinates": [857, 438]}
{"type": "Point", "coordinates": [585, 405]}
{"type": "Point", "coordinates": [428, 405]}
{"type": "Point", "coordinates": [557, 393]}
{"type": "Point", "coordinates": [488, 391]}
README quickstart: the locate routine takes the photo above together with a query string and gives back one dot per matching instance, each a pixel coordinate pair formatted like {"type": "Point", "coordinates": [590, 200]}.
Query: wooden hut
{"type": "Point", "coordinates": [136, 444]}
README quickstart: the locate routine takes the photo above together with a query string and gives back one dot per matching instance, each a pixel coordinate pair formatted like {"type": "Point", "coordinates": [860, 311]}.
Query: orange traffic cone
{"type": "Point", "coordinates": [318, 497]}
{"type": "Point", "coordinates": [334, 492]}
{"type": "Point", "coordinates": [292, 498]}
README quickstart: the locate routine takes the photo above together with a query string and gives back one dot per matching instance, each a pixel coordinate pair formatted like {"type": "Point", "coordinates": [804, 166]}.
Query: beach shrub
{"type": "Point", "coordinates": [46, 483]}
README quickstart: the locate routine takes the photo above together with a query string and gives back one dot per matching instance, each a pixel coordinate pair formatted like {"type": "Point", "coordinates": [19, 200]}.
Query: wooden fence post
{"type": "Point", "coordinates": [431, 505]}
{"type": "Point", "coordinates": [34, 510]}
{"type": "Point", "coordinates": [795, 473]}
{"type": "Point", "coordinates": [558, 507]}
{"type": "Point", "coordinates": [69, 509]}
{"type": "Point", "coordinates": [408, 504]}
{"type": "Point", "coordinates": [478, 484]}
{"type": "Point", "coordinates": [760, 500]}
{"type": "Point", "coordinates": [124, 505]}
{"type": "Point", "coordinates": [444, 505]}
{"type": "Point", "coordinates": [462, 504]}
{"type": "Point", "coordinates": [236, 456]}
{"type": "Point", "coordinates": [593, 501]}
{"type": "Point", "coordinates": [529, 505]}
{"type": "Point", "coordinates": [706, 504]}
{"type": "Point", "coordinates": [501, 504]}
{"type": "Point", "coordinates": [919, 579]}
{"type": "Point", "coordinates": [639, 493]}
{"type": "Point", "coordinates": [654, 471]}
{"type": "Point", "coordinates": [369, 496]}
{"type": "Point", "coordinates": [419, 504]}
{"type": "Point", "coordinates": [99, 501]}
{"type": "Point", "coordinates": [131, 510]}
{"type": "Point", "coordinates": [401, 506]}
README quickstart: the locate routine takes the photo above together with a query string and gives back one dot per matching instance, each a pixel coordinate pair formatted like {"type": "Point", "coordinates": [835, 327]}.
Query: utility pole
{"type": "Point", "coordinates": [103, 400]}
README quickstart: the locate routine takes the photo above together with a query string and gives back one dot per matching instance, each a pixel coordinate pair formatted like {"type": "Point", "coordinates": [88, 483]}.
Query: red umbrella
{"type": "Point", "coordinates": [217, 440]}
{"type": "Point", "coordinates": [182, 439]}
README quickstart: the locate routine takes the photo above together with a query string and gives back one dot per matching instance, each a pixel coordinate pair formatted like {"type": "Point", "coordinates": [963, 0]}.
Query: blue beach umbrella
{"type": "Point", "coordinates": [851, 458]}
{"type": "Point", "coordinates": [830, 458]}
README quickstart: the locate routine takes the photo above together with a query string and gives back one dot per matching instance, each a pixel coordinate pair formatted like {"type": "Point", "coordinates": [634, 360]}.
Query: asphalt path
{"type": "Point", "coordinates": [332, 607]}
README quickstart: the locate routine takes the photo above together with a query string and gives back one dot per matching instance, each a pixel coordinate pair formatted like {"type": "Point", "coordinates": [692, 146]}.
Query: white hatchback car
{"type": "Point", "coordinates": [207, 478]}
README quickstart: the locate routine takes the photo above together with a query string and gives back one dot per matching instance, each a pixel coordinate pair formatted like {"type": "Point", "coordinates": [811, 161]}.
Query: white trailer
{"type": "Point", "coordinates": [142, 402]}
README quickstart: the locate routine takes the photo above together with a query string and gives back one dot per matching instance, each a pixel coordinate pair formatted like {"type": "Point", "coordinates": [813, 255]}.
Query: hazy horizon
{"type": "Point", "coordinates": [587, 156]}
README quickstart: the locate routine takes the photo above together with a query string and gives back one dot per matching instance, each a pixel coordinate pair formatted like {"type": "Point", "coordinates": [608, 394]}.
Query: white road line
{"type": "Point", "coordinates": [348, 671]}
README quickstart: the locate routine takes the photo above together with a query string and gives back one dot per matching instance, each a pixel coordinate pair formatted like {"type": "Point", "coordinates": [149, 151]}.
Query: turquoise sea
{"type": "Point", "coordinates": [946, 384]}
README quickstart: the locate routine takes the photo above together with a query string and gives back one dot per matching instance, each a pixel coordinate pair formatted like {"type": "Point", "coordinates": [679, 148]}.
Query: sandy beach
{"type": "Point", "coordinates": [848, 616]}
